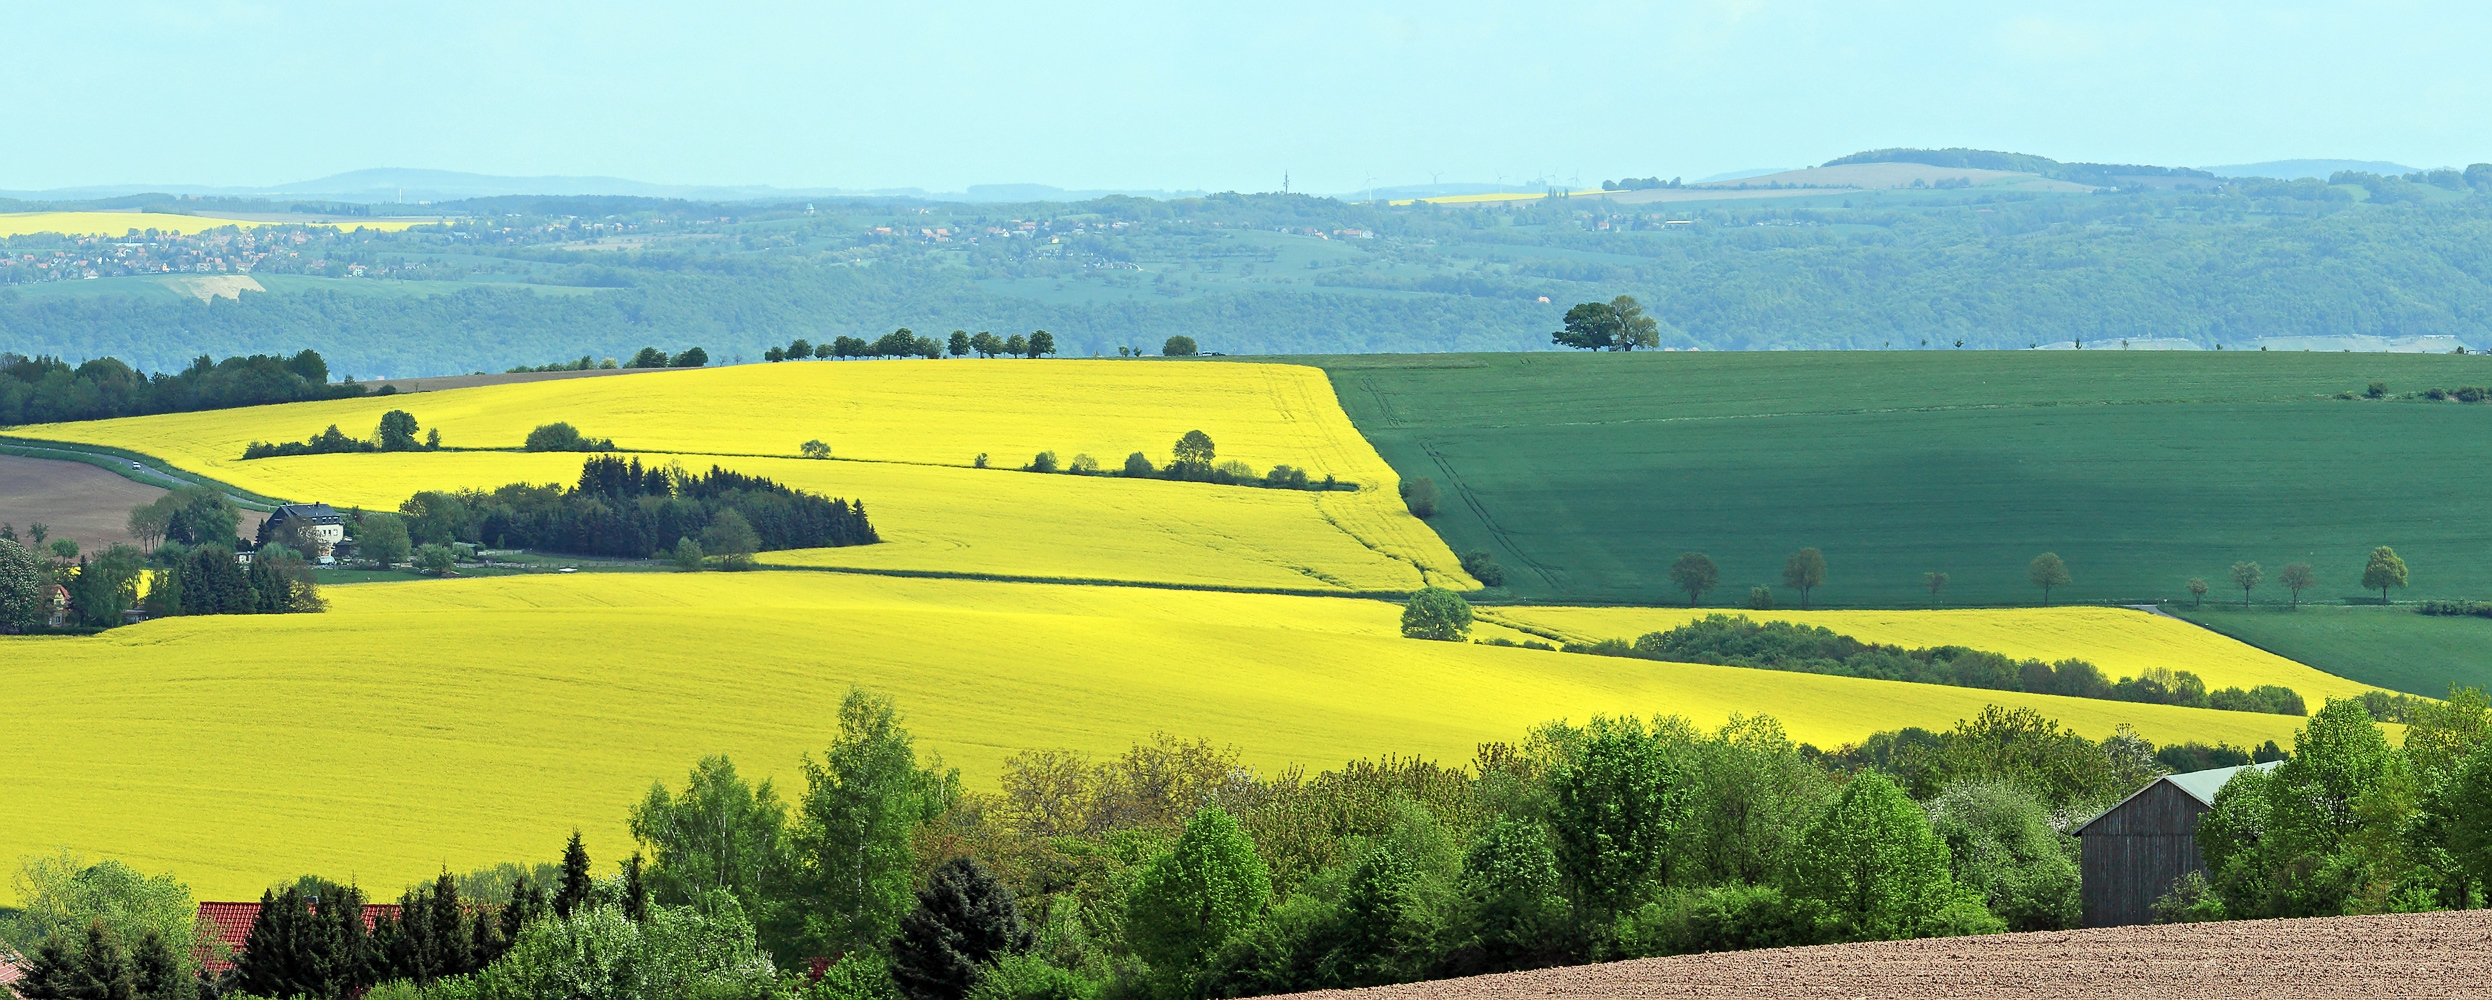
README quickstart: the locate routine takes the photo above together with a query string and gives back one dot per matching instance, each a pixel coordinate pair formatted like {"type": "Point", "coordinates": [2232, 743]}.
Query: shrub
{"type": "Point", "coordinates": [1436, 613]}
{"type": "Point", "coordinates": [1083, 465]}
{"type": "Point", "coordinates": [2476, 609]}
{"type": "Point", "coordinates": [1232, 470]}
{"type": "Point", "coordinates": [564, 437]}
{"type": "Point", "coordinates": [2192, 900]}
{"type": "Point", "coordinates": [2470, 394]}
{"type": "Point", "coordinates": [1029, 977]}
{"type": "Point", "coordinates": [1138, 465]}
{"type": "Point", "coordinates": [1875, 870]}
{"type": "Point", "coordinates": [2435, 392]}
{"type": "Point", "coordinates": [2003, 849]}
{"type": "Point", "coordinates": [687, 555]}
{"type": "Point", "coordinates": [1483, 569]}
{"type": "Point", "coordinates": [435, 560]}
{"type": "Point", "coordinates": [1189, 901]}
{"type": "Point", "coordinates": [1420, 495]}
{"type": "Point", "coordinates": [1044, 461]}
{"type": "Point", "coordinates": [1732, 917]}
{"type": "Point", "coordinates": [1760, 598]}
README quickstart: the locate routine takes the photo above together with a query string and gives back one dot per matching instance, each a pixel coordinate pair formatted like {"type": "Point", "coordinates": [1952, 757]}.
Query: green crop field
{"type": "Point", "coordinates": [1587, 475]}
{"type": "Point", "coordinates": [2391, 647]}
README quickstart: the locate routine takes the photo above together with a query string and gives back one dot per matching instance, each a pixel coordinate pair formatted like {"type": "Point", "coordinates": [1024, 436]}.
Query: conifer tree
{"type": "Point", "coordinates": [635, 890]}
{"type": "Point", "coordinates": [963, 922]}
{"type": "Point", "coordinates": [574, 893]}
{"type": "Point", "coordinates": [453, 953]}
{"type": "Point", "coordinates": [527, 906]}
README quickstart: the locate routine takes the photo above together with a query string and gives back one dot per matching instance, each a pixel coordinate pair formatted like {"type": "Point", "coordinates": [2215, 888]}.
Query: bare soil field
{"type": "Point", "coordinates": [78, 501]}
{"type": "Point", "coordinates": [2400, 955]}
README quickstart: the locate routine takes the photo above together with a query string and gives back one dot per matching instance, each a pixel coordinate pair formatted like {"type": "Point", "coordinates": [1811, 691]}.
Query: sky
{"type": "Point", "coordinates": [1338, 96]}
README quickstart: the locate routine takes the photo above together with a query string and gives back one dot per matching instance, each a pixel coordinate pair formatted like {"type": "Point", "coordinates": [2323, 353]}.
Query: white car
{"type": "Point", "coordinates": [135, 465]}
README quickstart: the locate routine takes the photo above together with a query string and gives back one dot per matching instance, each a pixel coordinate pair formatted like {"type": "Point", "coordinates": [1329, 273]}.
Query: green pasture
{"type": "Point", "coordinates": [2392, 647]}
{"type": "Point", "coordinates": [1586, 475]}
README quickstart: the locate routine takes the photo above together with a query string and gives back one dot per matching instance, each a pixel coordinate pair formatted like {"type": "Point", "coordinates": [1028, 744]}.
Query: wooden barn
{"type": "Point", "coordinates": [2134, 851]}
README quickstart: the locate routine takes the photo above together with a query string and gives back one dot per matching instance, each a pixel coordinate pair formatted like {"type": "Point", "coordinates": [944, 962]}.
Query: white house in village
{"type": "Point", "coordinates": [317, 524]}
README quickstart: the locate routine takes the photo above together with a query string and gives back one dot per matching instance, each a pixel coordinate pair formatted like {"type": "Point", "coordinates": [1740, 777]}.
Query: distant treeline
{"type": "Point", "coordinates": [1735, 640]}
{"type": "Point", "coordinates": [43, 390]}
{"type": "Point", "coordinates": [622, 508]}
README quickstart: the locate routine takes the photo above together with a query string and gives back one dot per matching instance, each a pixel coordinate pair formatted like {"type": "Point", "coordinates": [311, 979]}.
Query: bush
{"type": "Point", "coordinates": [1137, 465]}
{"type": "Point", "coordinates": [1436, 613]}
{"type": "Point", "coordinates": [2192, 900]}
{"type": "Point", "coordinates": [1029, 977]}
{"type": "Point", "coordinates": [1044, 461]}
{"type": "Point", "coordinates": [1420, 495]}
{"type": "Point", "coordinates": [2455, 609]}
{"type": "Point", "coordinates": [1760, 598]}
{"type": "Point", "coordinates": [687, 555]}
{"type": "Point", "coordinates": [1483, 569]}
{"type": "Point", "coordinates": [2003, 849]}
{"type": "Point", "coordinates": [1731, 917]}
{"type": "Point", "coordinates": [435, 560]}
{"type": "Point", "coordinates": [564, 437]}
{"type": "Point", "coordinates": [1083, 465]}
{"type": "Point", "coordinates": [1232, 470]}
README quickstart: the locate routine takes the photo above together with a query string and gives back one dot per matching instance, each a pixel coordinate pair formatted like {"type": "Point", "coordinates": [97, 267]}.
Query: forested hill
{"type": "Point", "coordinates": [526, 281]}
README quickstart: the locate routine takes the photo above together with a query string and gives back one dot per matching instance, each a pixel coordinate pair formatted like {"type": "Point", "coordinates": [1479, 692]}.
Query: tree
{"type": "Point", "coordinates": [648, 357]}
{"type": "Point", "coordinates": [1936, 581]}
{"type": "Point", "coordinates": [1614, 806]}
{"type": "Point", "coordinates": [1042, 343]}
{"type": "Point", "coordinates": [2246, 575]}
{"type": "Point", "coordinates": [1635, 329]}
{"type": "Point", "coordinates": [2297, 577]}
{"type": "Point", "coordinates": [959, 344]}
{"type": "Point", "coordinates": [2004, 850]}
{"type": "Point", "coordinates": [1179, 346]}
{"type": "Point", "coordinates": [1138, 465]}
{"type": "Point", "coordinates": [1804, 571]}
{"type": "Point", "coordinates": [688, 555]}
{"type": "Point", "coordinates": [1510, 889]}
{"type": "Point", "coordinates": [691, 358]}
{"type": "Point", "coordinates": [863, 800]}
{"type": "Point", "coordinates": [2197, 592]}
{"type": "Point", "coordinates": [23, 581]}
{"type": "Point", "coordinates": [432, 560]}
{"type": "Point", "coordinates": [1436, 613]}
{"type": "Point", "coordinates": [1194, 450]}
{"type": "Point", "coordinates": [1590, 326]}
{"type": "Point", "coordinates": [774, 354]}
{"type": "Point", "coordinates": [1873, 865]}
{"type": "Point", "coordinates": [397, 432]}
{"type": "Point", "coordinates": [986, 344]}
{"type": "Point", "coordinates": [106, 586]}
{"type": "Point", "coordinates": [731, 537]}
{"type": "Point", "coordinates": [1189, 901]}
{"type": "Point", "coordinates": [1695, 573]}
{"type": "Point", "coordinates": [383, 539]}
{"type": "Point", "coordinates": [965, 920]}
{"type": "Point", "coordinates": [719, 834]}
{"type": "Point", "coordinates": [2048, 572]}
{"type": "Point", "coordinates": [60, 897]}
{"type": "Point", "coordinates": [2385, 570]}
{"type": "Point", "coordinates": [816, 448]}
{"type": "Point", "coordinates": [1016, 345]}
{"type": "Point", "coordinates": [1420, 496]}
{"type": "Point", "coordinates": [577, 890]}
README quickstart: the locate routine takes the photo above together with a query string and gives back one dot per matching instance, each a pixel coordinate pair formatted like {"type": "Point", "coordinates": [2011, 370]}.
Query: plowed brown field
{"type": "Point", "coordinates": [2403, 955]}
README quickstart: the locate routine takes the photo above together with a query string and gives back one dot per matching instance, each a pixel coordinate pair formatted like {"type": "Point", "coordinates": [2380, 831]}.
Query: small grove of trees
{"type": "Point", "coordinates": [561, 436]}
{"type": "Point", "coordinates": [622, 508]}
{"type": "Point", "coordinates": [1619, 324]}
{"type": "Point", "coordinates": [43, 390]}
{"type": "Point", "coordinates": [397, 432]}
{"type": "Point", "coordinates": [1735, 640]}
{"type": "Point", "coordinates": [651, 357]}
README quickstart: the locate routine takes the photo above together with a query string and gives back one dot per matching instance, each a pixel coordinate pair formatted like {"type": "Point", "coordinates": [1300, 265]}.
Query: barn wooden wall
{"type": "Point", "coordinates": [2132, 855]}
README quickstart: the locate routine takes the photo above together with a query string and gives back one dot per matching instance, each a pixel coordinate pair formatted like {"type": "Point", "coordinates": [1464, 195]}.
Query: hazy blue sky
{"type": "Point", "coordinates": [1163, 95]}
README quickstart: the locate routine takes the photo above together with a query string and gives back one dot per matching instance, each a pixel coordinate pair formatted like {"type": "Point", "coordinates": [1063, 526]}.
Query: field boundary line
{"type": "Point", "coordinates": [1075, 581]}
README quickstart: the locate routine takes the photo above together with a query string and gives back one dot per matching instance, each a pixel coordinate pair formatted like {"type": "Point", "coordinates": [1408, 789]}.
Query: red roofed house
{"type": "Point", "coordinates": [10, 973]}
{"type": "Point", "coordinates": [233, 927]}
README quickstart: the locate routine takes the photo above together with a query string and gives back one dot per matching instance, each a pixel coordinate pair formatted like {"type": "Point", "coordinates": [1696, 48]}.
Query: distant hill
{"type": "Point", "coordinates": [2095, 174]}
{"type": "Point", "coordinates": [2296, 169]}
{"type": "Point", "coordinates": [383, 185]}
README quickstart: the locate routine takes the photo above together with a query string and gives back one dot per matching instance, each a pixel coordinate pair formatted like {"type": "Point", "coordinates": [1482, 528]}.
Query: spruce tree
{"type": "Point", "coordinates": [156, 972]}
{"type": "Point", "coordinates": [963, 922]}
{"type": "Point", "coordinates": [527, 906]}
{"type": "Point", "coordinates": [104, 966]}
{"type": "Point", "coordinates": [453, 944]}
{"type": "Point", "coordinates": [576, 886]}
{"type": "Point", "coordinates": [635, 890]}
{"type": "Point", "coordinates": [277, 958]}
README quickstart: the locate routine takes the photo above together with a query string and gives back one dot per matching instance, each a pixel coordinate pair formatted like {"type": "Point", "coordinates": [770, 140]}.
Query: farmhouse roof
{"type": "Point", "coordinates": [2199, 785]}
{"type": "Point", "coordinates": [319, 513]}
{"type": "Point", "coordinates": [9, 971]}
{"type": "Point", "coordinates": [232, 923]}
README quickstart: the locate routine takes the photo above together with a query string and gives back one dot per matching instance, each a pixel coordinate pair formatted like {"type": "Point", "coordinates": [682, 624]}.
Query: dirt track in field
{"type": "Point", "coordinates": [2402, 955]}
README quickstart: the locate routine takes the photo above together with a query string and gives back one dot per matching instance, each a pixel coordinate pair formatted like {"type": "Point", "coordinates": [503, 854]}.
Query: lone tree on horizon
{"type": "Point", "coordinates": [1695, 573]}
{"type": "Point", "coordinates": [2197, 592]}
{"type": "Point", "coordinates": [2047, 571]}
{"type": "Point", "coordinates": [2246, 575]}
{"type": "Point", "coordinates": [2384, 571]}
{"type": "Point", "coordinates": [2297, 577]}
{"type": "Point", "coordinates": [1804, 571]}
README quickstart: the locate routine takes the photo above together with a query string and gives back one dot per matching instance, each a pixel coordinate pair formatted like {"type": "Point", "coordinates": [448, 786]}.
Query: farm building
{"type": "Point", "coordinates": [2134, 851]}
{"type": "Point", "coordinates": [318, 526]}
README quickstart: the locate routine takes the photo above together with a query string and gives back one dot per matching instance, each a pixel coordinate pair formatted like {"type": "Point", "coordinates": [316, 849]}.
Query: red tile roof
{"type": "Point", "coordinates": [233, 927]}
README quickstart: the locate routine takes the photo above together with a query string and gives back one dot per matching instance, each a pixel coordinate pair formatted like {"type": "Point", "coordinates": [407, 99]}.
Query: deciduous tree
{"type": "Point", "coordinates": [2385, 570]}
{"type": "Point", "coordinates": [1695, 573]}
{"type": "Point", "coordinates": [1179, 346]}
{"type": "Point", "coordinates": [1436, 613]}
{"type": "Point", "coordinates": [2246, 576]}
{"type": "Point", "coordinates": [2197, 592]}
{"type": "Point", "coordinates": [1192, 899]}
{"type": "Point", "coordinates": [863, 799]}
{"type": "Point", "coordinates": [1804, 571]}
{"type": "Point", "coordinates": [2297, 577]}
{"type": "Point", "coordinates": [2048, 572]}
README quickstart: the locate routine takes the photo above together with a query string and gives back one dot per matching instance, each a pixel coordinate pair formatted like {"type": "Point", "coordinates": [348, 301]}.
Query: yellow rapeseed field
{"type": "Point", "coordinates": [467, 722]}
{"type": "Point", "coordinates": [2122, 641]}
{"type": "Point", "coordinates": [936, 418]}
{"type": "Point", "coordinates": [119, 223]}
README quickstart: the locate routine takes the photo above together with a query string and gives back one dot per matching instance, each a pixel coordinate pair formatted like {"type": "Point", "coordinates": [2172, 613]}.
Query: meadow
{"type": "Point", "coordinates": [119, 223]}
{"type": "Point", "coordinates": [467, 722]}
{"type": "Point", "coordinates": [1587, 475]}
{"type": "Point", "coordinates": [2392, 647]}
{"type": "Point", "coordinates": [905, 437]}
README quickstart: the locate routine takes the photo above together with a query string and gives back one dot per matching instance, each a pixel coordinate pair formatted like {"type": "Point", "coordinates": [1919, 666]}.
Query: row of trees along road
{"type": "Point", "coordinates": [1696, 573]}
{"type": "Point", "coordinates": [2383, 571]}
{"type": "Point", "coordinates": [1173, 871]}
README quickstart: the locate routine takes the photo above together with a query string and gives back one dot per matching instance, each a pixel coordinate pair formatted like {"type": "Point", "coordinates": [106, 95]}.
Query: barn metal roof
{"type": "Point", "coordinates": [2200, 785]}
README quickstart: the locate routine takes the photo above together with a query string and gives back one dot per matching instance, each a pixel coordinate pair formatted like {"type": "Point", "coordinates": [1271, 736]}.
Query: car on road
{"type": "Point", "coordinates": [135, 465]}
